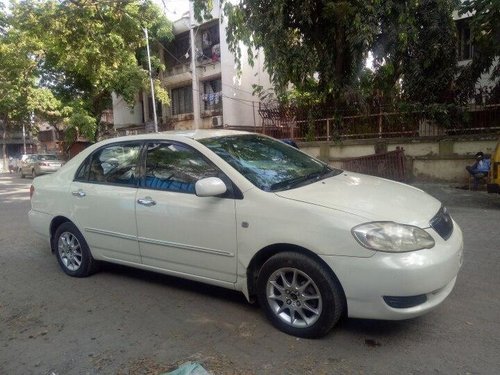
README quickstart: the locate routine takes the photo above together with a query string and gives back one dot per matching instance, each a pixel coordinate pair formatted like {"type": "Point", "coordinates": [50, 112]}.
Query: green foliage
{"type": "Point", "coordinates": [430, 63]}
{"type": "Point", "coordinates": [315, 46]}
{"type": "Point", "coordinates": [80, 123]}
{"type": "Point", "coordinates": [485, 35]}
{"type": "Point", "coordinates": [18, 72]}
{"type": "Point", "coordinates": [415, 52]}
{"type": "Point", "coordinates": [311, 129]}
{"type": "Point", "coordinates": [315, 50]}
{"type": "Point", "coordinates": [87, 49]}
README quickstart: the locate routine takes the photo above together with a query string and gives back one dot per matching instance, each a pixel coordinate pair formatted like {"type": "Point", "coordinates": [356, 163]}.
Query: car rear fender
{"type": "Point", "coordinates": [56, 223]}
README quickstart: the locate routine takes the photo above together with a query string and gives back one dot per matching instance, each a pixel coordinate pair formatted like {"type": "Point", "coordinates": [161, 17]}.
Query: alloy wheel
{"type": "Point", "coordinates": [70, 251]}
{"type": "Point", "coordinates": [294, 297]}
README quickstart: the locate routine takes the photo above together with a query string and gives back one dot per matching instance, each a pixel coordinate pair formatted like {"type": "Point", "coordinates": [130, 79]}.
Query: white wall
{"type": "Point", "coordinates": [239, 105]}
{"type": "Point", "coordinates": [428, 160]}
{"type": "Point", "coordinates": [123, 115]}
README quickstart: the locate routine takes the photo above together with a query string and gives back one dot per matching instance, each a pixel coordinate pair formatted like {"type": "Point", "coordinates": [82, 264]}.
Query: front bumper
{"type": "Point", "coordinates": [430, 272]}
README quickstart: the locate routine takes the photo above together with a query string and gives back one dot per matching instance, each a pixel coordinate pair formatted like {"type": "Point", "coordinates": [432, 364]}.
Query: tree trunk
{"type": "Point", "coordinates": [4, 146]}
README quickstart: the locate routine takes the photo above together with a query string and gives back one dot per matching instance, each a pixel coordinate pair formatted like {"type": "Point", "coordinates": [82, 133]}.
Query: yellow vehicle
{"type": "Point", "coordinates": [494, 176]}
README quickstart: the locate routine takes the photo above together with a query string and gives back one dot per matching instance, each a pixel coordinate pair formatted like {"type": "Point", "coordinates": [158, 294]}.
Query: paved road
{"type": "Point", "coordinates": [131, 322]}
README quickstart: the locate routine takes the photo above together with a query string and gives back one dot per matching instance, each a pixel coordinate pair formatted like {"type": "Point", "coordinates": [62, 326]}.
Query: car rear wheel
{"type": "Point", "coordinates": [72, 251]}
{"type": "Point", "coordinates": [299, 295]}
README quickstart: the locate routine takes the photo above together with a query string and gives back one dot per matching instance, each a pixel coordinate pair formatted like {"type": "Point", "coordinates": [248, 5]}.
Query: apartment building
{"type": "Point", "coordinates": [211, 95]}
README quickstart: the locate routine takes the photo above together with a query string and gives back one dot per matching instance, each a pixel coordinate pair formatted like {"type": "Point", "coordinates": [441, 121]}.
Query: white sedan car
{"type": "Point", "coordinates": [247, 212]}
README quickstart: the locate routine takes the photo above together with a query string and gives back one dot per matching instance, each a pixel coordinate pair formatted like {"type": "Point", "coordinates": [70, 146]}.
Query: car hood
{"type": "Point", "coordinates": [372, 198]}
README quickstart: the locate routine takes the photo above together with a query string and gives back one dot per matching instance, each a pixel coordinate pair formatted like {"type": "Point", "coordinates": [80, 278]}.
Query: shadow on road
{"type": "Point", "coordinates": [16, 189]}
{"type": "Point", "coordinates": [177, 283]}
{"type": "Point", "coordinates": [370, 328]}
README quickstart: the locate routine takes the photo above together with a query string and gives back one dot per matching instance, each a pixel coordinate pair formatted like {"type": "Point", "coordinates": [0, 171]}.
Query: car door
{"type": "Point", "coordinates": [104, 193]}
{"type": "Point", "coordinates": [179, 231]}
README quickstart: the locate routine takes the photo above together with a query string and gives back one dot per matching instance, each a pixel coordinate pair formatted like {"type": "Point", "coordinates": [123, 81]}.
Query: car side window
{"type": "Point", "coordinates": [83, 172]}
{"type": "Point", "coordinates": [114, 164]}
{"type": "Point", "coordinates": [175, 167]}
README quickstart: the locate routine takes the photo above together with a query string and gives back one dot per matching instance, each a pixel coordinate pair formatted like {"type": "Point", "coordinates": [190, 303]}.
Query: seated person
{"type": "Point", "coordinates": [479, 169]}
{"type": "Point", "coordinates": [96, 171]}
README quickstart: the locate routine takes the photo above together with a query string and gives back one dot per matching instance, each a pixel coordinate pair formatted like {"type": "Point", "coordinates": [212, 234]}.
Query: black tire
{"type": "Point", "coordinates": [288, 307]}
{"type": "Point", "coordinates": [72, 252]}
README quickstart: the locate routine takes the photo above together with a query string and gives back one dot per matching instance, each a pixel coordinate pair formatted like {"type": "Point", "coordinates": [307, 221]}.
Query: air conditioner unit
{"type": "Point", "coordinates": [217, 122]}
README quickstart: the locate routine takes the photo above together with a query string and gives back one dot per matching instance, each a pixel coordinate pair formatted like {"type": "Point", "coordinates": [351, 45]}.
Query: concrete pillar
{"type": "Point", "coordinates": [324, 151]}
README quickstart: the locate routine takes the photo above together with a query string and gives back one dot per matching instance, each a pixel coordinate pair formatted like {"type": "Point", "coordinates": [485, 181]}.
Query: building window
{"type": "Point", "coordinates": [182, 100]}
{"type": "Point", "coordinates": [210, 43]}
{"type": "Point", "coordinates": [465, 48]}
{"type": "Point", "coordinates": [178, 51]}
{"type": "Point", "coordinates": [212, 95]}
{"type": "Point", "coordinates": [47, 136]}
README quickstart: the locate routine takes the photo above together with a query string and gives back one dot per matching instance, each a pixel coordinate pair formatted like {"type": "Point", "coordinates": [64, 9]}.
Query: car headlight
{"type": "Point", "coordinates": [392, 237]}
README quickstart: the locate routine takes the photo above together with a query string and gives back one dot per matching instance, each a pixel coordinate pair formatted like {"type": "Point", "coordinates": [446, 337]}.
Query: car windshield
{"type": "Point", "coordinates": [269, 164]}
{"type": "Point", "coordinates": [47, 157]}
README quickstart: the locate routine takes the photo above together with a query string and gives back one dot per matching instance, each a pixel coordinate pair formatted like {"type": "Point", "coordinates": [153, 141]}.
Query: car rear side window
{"type": "Point", "coordinates": [113, 164]}
{"type": "Point", "coordinates": [175, 167]}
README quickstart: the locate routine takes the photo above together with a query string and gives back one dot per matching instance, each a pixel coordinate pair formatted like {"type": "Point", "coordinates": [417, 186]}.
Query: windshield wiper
{"type": "Point", "coordinates": [294, 182]}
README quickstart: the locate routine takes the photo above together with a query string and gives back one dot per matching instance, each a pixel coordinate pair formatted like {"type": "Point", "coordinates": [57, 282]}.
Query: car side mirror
{"type": "Point", "coordinates": [210, 187]}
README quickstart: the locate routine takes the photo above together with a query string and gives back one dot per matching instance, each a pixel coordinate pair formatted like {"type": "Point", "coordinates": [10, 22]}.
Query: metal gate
{"type": "Point", "coordinates": [390, 165]}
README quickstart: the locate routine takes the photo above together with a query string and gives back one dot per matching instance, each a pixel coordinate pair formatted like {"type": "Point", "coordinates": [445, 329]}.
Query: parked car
{"type": "Point", "coordinates": [37, 164]}
{"type": "Point", "coordinates": [493, 184]}
{"type": "Point", "coordinates": [247, 212]}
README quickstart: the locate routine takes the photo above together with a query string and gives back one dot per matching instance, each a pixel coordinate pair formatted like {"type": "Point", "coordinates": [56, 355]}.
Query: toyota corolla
{"type": "Point", "coordinates": [243, 211]}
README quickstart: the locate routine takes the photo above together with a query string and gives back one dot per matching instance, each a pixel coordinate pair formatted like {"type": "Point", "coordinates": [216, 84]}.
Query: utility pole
{"type": "Point", "coordinates": [151, 82]}
{"type": "Point", "coordinates": [24, 138]}
{"type": "Point", "coordinates": [196, 89]}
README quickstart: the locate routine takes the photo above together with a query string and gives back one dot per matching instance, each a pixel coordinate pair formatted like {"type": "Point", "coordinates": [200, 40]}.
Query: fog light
{"type": "Point", "coordinates": [405, 302]}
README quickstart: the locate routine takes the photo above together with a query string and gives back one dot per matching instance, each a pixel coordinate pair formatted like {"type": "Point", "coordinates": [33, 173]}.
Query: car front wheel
{"type": "Point", "coordinates": [299, 295]}
{"type": "Point", "coordinates": [72, 251]}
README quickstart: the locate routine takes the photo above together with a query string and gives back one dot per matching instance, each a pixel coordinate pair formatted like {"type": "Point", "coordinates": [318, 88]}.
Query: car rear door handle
{"type": "Point", "coordinates": [79, 193]}
{"type": "Point", "coordinates": [147, 201]}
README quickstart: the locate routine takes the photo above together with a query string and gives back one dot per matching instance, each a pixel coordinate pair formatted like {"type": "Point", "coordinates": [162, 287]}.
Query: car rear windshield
{"type": "Point", "coordinates": [269, 164]}
{"type": "Point", "coordinates": [47, 157]}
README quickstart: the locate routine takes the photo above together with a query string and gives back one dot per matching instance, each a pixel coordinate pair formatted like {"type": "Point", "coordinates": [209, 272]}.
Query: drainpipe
{"type": "Point", "coordinates": [151, 81]}
{"type": "Point", "coordinates": [195, 84]}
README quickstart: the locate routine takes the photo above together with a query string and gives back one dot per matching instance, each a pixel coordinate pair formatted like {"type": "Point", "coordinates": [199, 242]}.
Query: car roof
{"type": "Point", "coordinates": [172, 134]}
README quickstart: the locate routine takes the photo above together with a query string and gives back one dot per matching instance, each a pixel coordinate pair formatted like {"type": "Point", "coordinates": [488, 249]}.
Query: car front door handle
{"type": "Point", "coordinates": [147, 201]}
{"type": "Point", "coordinates": [79, 193]}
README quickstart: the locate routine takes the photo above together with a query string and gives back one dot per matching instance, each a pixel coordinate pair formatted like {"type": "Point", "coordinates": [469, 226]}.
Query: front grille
{"type": "Point", "coordinates": [442, 223]}
{"type": "Point", "coordinates": [405, 302]}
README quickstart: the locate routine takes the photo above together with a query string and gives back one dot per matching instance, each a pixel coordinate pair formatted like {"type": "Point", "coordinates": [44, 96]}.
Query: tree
{"type": "Point", "coordinates": [316, 46]}
{"type": "Point", "coordinates": [416, 46]}
{"type": "Point", "coordinates": [485, 37]}
{"type": "Point", "coordinates": [319, 47]}
{"type": "Point", "coordinates": [20, 96]}
{"type": "Point", "coordinates": [91, 48]}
